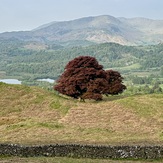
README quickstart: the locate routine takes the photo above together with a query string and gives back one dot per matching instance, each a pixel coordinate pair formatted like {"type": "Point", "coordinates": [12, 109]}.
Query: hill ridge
{"type": "Point", "coordinates": [97, 29]}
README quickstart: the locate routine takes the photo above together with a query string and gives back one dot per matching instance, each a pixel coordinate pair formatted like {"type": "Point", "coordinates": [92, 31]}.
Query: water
{"type": "Point", "coordinates": [47, 80]}
{"type": "Point", "coordinates": [10, 81]}
{"type": "Point", "coordinates": [15, 81]}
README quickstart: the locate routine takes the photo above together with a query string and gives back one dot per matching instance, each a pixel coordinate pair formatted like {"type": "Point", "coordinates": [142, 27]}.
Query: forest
{"type": "Point", "coordinates": [29, 61]}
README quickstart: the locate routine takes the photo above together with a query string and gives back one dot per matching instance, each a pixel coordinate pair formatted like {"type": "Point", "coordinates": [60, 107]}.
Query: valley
{"type": "Point", "coordinates": [32, 113]}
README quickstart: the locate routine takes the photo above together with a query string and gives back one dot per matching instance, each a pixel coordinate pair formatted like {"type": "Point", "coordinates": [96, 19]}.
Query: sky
{"type": "Point", "coordinates": [22, 15]}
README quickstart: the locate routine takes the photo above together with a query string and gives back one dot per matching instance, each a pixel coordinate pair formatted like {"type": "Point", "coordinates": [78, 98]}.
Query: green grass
{"type": "Point", "coordinates": [68, 160]}
{"type": "Point", "coordinates": [132, 67]}
{"type": "Point", "coordinates": [31, 124]}
{"type": "Point", "coordinates": [144, 105]}
{"type": "Point", "coordinates": [161, 85]}
{"type": "Point", "coordinates": [135, 66]}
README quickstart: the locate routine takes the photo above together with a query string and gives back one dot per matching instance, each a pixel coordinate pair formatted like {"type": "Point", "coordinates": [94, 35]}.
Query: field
{"type": "Point", "coordinates": [31, 115]}
{"type": "Point", "coordinates": [69, 160]}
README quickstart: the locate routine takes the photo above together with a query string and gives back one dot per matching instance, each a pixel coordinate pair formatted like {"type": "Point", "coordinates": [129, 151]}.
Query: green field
{"type": "Point", "coordinates": [68, 160]}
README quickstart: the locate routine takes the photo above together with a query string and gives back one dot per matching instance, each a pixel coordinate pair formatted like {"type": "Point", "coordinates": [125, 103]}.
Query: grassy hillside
{"type": "Point", "coordinates": [69, 160]}
{"type": "Point", "coordinates": [31, 115]}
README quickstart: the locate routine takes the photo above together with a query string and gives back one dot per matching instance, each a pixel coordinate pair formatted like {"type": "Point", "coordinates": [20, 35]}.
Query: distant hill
{"type": "Point", "coordinates": [36, 59]}
{"type": "Point", "coordinates": [99, 29]}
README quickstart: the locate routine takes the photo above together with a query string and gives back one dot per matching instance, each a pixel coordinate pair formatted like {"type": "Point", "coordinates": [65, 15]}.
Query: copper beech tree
{"type": "Point", "coordinates": [85, 78]}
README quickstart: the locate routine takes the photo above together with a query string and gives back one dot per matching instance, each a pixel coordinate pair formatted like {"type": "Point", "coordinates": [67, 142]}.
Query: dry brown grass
{"type": "Point", "coordinates": [31, 115]}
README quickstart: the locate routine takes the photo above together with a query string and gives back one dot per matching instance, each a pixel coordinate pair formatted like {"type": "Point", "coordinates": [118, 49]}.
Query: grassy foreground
{"type": "Point", "coordinates": [31, 115]}
{"type": "Point", "coordinates": [68, 160]}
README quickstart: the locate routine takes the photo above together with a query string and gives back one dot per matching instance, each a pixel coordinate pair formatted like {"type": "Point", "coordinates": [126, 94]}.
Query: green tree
{"type": "Point", "coordinates": [161, 71]}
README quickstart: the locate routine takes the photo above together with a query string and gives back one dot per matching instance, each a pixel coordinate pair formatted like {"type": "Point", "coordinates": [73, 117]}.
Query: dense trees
{"type": "Point", "coordinates": [161, 71]}
{"type": "Point", "coordinates": [15, 57]}
{"type": "Point", "coordinates": [144, 89]}
{"type": "Point", "coordinates": [85, 78]}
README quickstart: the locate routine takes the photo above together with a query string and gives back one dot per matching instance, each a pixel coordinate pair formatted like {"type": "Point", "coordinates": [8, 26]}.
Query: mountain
{"type": "Point", "coordinates": [98, 29]}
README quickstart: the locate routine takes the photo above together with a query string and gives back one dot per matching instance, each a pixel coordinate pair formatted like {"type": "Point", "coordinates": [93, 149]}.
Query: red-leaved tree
{"type": "Point", "coordinates": [84, 78]}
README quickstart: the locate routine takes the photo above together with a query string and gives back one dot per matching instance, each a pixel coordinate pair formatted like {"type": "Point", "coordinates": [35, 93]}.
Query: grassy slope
{"type": "Point", "coordinates": [31, 115]}
{"type": "Point", "coordinates": [68, 160]}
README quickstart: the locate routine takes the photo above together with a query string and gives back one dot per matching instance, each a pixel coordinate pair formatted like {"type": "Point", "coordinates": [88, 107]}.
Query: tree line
{"type": "Point", "coordinates": [17, 60]}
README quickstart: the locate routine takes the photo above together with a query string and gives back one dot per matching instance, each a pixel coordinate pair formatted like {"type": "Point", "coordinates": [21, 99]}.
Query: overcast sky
{"type": "Point", "coordinates": [28, 14]}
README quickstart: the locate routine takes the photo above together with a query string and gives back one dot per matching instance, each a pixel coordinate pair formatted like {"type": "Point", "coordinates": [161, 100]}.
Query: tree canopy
{"type": "Point", "coordinates": [85, 78]}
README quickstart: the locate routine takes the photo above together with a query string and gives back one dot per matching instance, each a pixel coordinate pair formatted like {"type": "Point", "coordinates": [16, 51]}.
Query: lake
{"type": "Point", "coordinates": [10, 81]}
{"type": "Point", "coordinates": [47, 80]}
{"type": "Point", "coordinates": [16, 81]}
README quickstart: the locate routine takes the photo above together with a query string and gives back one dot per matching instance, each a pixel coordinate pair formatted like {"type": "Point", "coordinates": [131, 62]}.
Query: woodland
{"type": "Point", "coordinates": [141, 66]}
